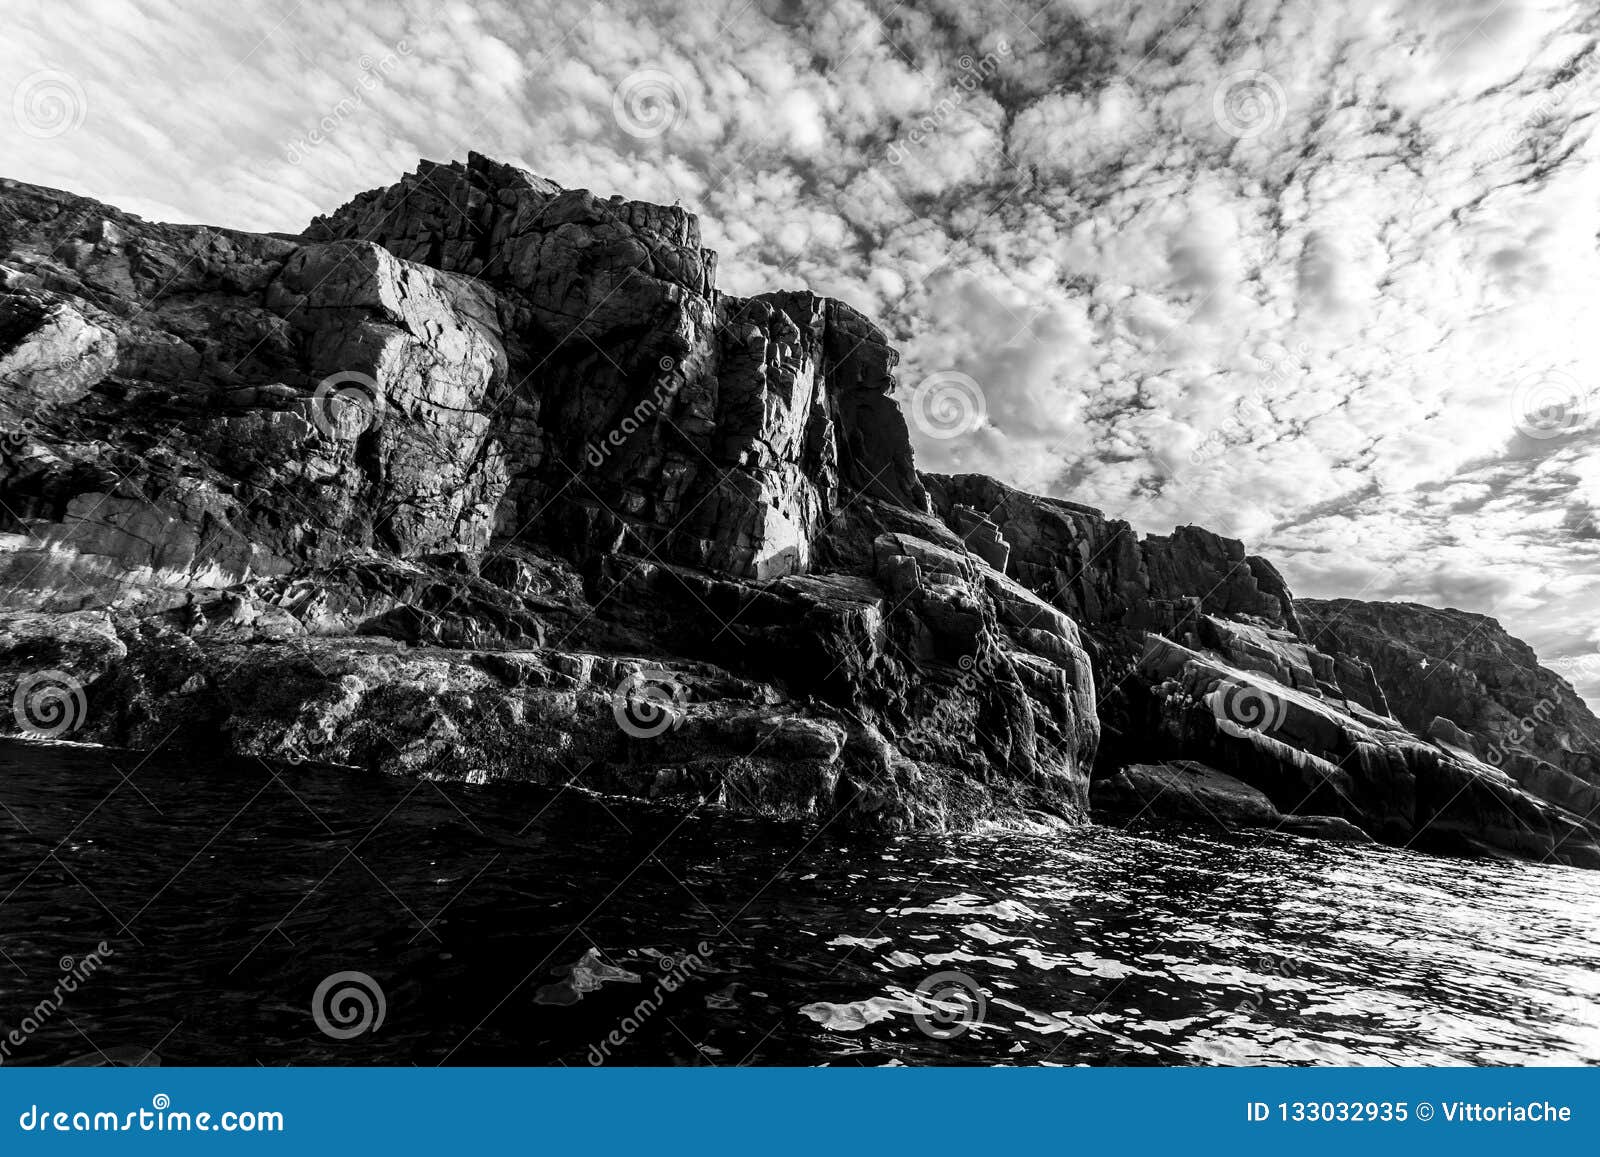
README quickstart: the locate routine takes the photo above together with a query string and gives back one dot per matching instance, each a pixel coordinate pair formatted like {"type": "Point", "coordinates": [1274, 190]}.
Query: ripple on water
{"type": "Point", "coordinates": [526, 926]}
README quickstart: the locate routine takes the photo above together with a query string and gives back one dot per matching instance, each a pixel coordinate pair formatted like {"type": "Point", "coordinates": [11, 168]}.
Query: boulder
{"type": "Point", "coordinates": [1191, 793]}
{"type": "Point", "coordinates": [1182, 791]}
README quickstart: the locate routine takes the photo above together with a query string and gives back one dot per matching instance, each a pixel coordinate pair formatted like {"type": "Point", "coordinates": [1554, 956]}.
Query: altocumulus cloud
{"type": "Point", "coordinates": [1320, 276]}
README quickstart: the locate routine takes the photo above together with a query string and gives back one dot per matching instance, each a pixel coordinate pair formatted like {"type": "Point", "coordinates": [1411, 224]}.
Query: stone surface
{"type": "Point", "coordinates": [483, 478]}
{"type": "Point", "coordinates": [1100, 572]}
{"type": "Point", "coordinates": [1183, 791]}
{"type": "Point", "coordinates": [711, 430]}
{"type": "Point", "coordinates": [1192, 793]}
{"type": "Point", "coordinates": [1201, 653]}
{"type": "Point", "coordinates": [426, 488]}
{"type": "Point", "coordinates": [1448, 668]}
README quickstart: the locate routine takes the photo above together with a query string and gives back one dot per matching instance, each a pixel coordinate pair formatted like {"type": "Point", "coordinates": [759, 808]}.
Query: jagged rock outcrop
{"type": "Point", "coordinates": [1101, 573]}
{"type": "Point", "coordinates": [1202, 655]}
{"type": "Point", "coordinates": [1313, 756]}
{"type": "Point", "coordinates": [1462, 680]}
{"type": "Point", "coordinates": [712, 430]}
{"type": "Point", "coordinates": [1192, 793]}
{"type": "Point", "coordinates": [1465, 668]}
{"type": "Point", "coordinates": [482, 477]}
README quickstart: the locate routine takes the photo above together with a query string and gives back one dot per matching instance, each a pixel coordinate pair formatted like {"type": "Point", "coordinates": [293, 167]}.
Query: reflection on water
{"type": "Point", "coordinates": [522, 926]}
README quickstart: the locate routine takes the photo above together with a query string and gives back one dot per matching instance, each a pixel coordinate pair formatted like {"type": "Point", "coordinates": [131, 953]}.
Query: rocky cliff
{"type": "Point", "coordinates": [481, 477]}
{"type": "Point", "coordinates": [1460, 679]}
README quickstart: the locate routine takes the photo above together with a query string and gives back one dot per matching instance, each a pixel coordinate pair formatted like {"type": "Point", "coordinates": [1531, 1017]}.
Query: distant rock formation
{"type": "Point", "coordinates": [1460, 679]}
{"type": "Point", "coordinates": [1202, 657]}
{"type": "Point", "coordinates": [483, 478]}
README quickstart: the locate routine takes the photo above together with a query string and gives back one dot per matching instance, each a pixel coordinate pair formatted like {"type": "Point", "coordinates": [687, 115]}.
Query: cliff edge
{"type": "Point", "coordinates": [483, 478]}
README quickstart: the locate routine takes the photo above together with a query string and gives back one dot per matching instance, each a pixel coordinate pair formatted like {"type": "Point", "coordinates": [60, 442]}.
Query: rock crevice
{"type": "Point", "coordinates": [484, 478]}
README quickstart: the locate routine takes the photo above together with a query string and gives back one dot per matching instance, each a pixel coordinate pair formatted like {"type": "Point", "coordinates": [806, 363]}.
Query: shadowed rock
{"type": "Point", "coordinates": [483, 478]}
{"type": "Point", "coordinates": [475, 472]}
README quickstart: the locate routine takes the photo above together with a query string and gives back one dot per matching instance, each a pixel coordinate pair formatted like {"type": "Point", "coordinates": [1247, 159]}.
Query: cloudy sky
{"type": "Point", "coordinates": [1319, 275]}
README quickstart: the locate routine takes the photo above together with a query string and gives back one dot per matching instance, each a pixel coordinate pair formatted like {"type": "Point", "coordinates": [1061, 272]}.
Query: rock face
{"type": "Point", "coordinates": [1192, 793]}
{"type": "Point", "coordinates": [1464, 669]}
{"type": "Point", "coordinates": [1460, 679]}
{"type": "Point", "coordinates": [1183, 791]}
{"type": "Point", "coordinates": [717, 431]}
{"type": "Point", "coordinates": [1200, 654]}
{"type": "Point", "coordinates": [483, 478]}
{"type": "Point", "coordinates": [1101, 573]}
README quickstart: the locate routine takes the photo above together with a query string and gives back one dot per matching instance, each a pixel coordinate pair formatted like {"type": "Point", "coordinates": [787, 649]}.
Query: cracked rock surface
{"type": "Point", "coordinates": [483, 478]}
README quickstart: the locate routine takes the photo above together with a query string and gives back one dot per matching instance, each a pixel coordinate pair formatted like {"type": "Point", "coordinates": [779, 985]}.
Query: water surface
{"type": "Point", "coordinates": [514, 925]}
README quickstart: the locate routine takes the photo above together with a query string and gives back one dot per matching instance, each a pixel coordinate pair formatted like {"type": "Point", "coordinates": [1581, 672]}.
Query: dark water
{"type": "Point", "coordinates": [226, 895]}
